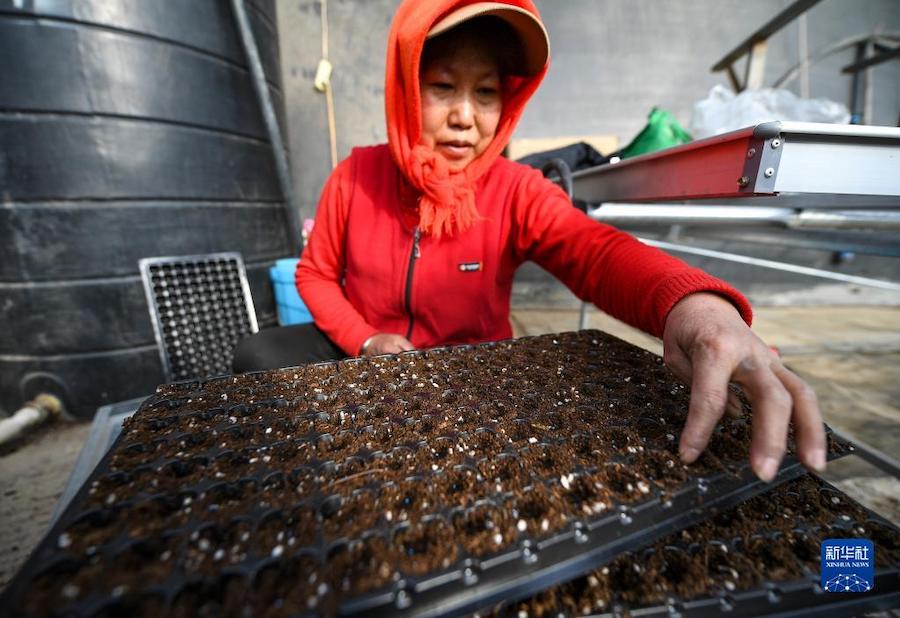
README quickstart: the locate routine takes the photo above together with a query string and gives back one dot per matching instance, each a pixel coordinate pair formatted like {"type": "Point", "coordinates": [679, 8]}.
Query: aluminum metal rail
{"type": "Point", "coordinates": [771, 264]}
{"type": "Point", "coordinates": [835, 242]}
{"type": "Point", "coordinates": [846, 219]}
{"type": "Point", "coordinates": [871, 454]}
{"type": "Point", "coordinates": [621, 214]}
{"type": "Point", "coordinates": [766, 160]}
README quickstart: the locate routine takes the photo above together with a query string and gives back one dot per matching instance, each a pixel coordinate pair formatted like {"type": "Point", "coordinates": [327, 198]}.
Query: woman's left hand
{"type": "Point", "coordinates": [707, 345]}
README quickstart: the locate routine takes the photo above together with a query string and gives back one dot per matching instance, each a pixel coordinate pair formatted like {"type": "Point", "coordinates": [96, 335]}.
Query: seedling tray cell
{"type": "Point", "coordinates": [758, 559]}
{"type": "Point", "coordinates": [435, 482]}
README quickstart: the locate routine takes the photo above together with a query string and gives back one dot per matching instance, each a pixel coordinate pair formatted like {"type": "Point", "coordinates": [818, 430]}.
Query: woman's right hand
{"type": "Point", "coordinates": [386, 343]}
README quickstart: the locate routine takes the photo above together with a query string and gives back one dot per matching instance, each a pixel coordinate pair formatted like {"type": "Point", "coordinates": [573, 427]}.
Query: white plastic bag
{"type": "Point", "coordinates": [722, 110]}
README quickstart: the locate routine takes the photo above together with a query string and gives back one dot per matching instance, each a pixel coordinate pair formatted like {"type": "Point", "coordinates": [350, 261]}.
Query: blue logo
{"type": "Point", "coordinates": [848, 565]}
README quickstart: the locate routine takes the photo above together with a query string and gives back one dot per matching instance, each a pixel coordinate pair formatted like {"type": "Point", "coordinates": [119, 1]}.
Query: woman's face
{"type": "Point", "coordinates": [461, 105]}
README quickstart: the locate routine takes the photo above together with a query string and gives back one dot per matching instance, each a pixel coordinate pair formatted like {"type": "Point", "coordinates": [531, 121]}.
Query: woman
{"type": "Point", "coordinates": [416, 241]}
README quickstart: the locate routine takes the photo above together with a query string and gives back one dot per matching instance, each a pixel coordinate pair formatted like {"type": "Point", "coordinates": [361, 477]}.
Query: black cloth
{"type": "Point", "coordinates": [284, 346]}
{"type": "Point", "coordinates": [577, 156]}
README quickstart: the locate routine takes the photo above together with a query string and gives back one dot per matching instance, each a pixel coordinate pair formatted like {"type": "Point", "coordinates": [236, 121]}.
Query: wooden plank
{"type": "Point", "coordinates": [756, 66]}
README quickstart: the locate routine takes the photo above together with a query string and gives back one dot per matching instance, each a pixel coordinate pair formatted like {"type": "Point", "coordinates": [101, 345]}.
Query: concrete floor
{"type": "Point", "coordinates": [850, 354]}
{"type": "Point", "coordinates": [31, 481]}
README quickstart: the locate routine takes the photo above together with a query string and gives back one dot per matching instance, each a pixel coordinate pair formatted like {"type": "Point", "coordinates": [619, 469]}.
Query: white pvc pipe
{"type": "Point", "coordinates": [29, 416]}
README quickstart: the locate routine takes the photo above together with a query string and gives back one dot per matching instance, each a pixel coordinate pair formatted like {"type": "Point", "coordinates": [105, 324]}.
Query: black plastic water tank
{"type": "Point", "coordinates": [128, 129]}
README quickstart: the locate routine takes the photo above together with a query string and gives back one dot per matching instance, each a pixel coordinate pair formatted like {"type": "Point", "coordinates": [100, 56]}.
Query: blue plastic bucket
{"type": "Point", "coordinates": [291, 309]}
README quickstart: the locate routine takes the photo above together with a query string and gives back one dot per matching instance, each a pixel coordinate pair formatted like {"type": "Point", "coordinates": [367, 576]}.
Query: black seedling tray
{"type": "Point", "coordinates": [800, 540]}
{"type": "Point", "coordinates": [186, 296]}
{"type": "Point", "coordinates": [427, 483]}
{"type": "Point", "coordinates": [796, 599]}
{"type": "Point", "coordinates": [538, 563]}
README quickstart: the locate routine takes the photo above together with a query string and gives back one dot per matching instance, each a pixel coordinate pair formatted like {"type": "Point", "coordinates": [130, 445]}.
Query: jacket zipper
{"type": "Point", "coordinates": [414, 255]}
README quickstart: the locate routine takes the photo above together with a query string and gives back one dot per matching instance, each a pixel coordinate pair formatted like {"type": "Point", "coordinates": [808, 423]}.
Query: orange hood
{"type": "Point", "coordinates": [447, 204]}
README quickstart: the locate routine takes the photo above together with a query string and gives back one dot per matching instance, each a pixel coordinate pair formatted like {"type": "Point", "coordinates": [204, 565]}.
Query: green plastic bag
{"type": "Point", "coordinates": [662, 131]}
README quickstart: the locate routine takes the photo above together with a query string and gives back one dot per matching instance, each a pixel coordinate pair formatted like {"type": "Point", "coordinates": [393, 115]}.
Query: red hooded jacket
{"type": "Point", "coordinates": [367, 268]}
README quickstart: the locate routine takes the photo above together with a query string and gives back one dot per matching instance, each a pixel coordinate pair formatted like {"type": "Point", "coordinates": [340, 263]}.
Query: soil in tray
{"type": "Point", "coordinates": [368, 471]}
{"type": "Point", "coordinates": [774, 537]}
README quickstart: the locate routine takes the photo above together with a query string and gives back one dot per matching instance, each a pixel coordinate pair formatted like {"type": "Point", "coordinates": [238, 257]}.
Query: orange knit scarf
{"type": "Point", "coordinates": [447, 202]}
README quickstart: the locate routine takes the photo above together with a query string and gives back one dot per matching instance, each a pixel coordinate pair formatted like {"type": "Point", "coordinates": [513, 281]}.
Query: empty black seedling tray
{"type": "Point", "coordinates": [434, 482]}
{"type": "Point", "coordinates": [758, 559]}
